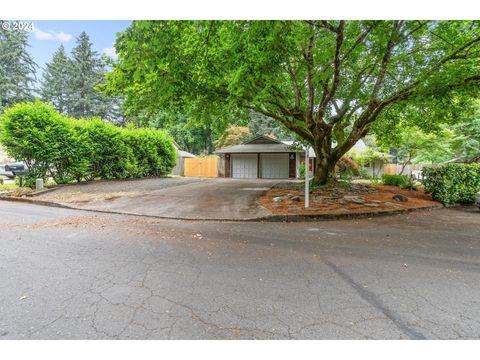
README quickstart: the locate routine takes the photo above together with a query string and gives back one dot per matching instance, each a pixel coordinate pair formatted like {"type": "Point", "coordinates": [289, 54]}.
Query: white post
{"type": "Point", "coordinates": [307, 178]}
{"type": "Point", "coordinates": [38, 185]}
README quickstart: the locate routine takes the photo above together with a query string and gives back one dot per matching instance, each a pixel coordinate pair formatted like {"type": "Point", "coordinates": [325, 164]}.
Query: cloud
{"type": "Point", "coordinates": [110, 52]}
{"type": "Point", "coordinates": [52, 35]}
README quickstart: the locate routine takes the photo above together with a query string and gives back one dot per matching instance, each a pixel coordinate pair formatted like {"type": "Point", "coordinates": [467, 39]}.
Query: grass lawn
{"type": "Point", "coordinates": [8, 186]}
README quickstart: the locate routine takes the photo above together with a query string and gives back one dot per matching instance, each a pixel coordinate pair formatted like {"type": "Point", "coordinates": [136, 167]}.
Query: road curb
{"type": "Point", "coordinates": [268, 218]}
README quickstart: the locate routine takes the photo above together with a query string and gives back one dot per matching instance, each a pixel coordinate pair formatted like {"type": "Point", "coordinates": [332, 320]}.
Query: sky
{"type": "Point", "coordinates": [47, 36]}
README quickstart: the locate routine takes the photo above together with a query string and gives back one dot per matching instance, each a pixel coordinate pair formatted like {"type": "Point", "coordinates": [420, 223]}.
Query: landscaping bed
{"type": "Point", "coordinates": [288, 198]}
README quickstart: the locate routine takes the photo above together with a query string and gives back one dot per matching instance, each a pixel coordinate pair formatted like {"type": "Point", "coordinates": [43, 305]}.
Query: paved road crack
{"type": "Point", "coordinates": [373, 300]}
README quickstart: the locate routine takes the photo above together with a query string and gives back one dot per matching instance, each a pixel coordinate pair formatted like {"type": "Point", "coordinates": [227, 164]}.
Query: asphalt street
{"type": "Point", "coordinates": [67, 274]}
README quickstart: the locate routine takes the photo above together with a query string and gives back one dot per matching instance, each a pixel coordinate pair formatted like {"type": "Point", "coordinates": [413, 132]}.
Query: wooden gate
{"type": "Point", "coordinates": [201, 167]}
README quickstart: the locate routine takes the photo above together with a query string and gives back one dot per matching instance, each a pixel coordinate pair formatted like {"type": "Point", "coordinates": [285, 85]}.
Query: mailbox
{"type": "Point", "coordinates": [16, 169]}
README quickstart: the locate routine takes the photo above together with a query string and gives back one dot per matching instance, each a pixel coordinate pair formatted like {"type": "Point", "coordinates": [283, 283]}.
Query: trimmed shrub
{"type": "Point", "coordinates": [154, 152]}
{"type": "Point", "coordinates": [395, 180]}
{"type": "Point", "coordinates": [453, 183]}
{"type": "Point", "coordinates": [68, 149]}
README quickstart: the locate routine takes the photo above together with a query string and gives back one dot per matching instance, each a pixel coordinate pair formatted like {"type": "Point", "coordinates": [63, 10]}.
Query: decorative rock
{"type": "Point", "coordinates": [343, 202]}
{"type": "Point", "coordinates": [354, 199]}
{"type": "Point", "coordinates": [372, 205]}
{"type": "Point", "coordinates": [277, 199]}
{"type": "Point", "coordinates": [400, 197]}
{"type": "Point", "coordinates": [295, 198]}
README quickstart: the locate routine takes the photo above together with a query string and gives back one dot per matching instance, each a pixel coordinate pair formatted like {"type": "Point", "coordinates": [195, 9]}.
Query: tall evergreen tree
{"type": "Point", "coordinates": [17, 68]}
{"type": "Point", "coordinates": [55, 83]}
{"type": "Point", "coordinates": [87, 72]}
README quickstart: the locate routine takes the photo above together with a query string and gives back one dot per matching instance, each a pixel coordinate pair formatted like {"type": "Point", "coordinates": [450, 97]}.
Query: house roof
{"type": "Point", "coordinates": [263, 144]}
{"type": "Point", "coordinates": [181, 153]}
{"type": "Point", "coordinates": [263, 139]}
{"type": "Point", "coordinates": [185, 154]}
{"type": "Point", "coordinates": [266, 144]}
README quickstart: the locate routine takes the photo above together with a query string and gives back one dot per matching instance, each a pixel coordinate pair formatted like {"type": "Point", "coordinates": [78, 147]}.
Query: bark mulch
{"type": "Point", "coordinates": [351, 199]}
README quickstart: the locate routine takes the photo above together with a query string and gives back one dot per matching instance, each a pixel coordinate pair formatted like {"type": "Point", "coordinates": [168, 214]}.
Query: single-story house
{"type": "Point", "coordinates": [181, 155]}
{"type": "Point", "coordinates": [266, 158]}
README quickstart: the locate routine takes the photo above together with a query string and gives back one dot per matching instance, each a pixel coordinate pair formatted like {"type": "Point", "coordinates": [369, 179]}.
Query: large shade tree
{"type": "Point", "coordinates": [327, 81]}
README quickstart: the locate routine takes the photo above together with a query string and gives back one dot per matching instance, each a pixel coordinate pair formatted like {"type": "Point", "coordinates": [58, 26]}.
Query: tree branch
{"type": "Point", "coordinates": [386, 59]}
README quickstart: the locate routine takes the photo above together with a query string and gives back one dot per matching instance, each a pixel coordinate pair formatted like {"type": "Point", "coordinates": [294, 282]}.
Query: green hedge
{"type": "Point", "coordinates": [69, 149]}
{"type": "Point", "coordinates": [453, 183]}
{"type": "Point", "coordinates": [395, 180]}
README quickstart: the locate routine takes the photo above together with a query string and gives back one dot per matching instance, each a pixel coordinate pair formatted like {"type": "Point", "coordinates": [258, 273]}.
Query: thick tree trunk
{"type": "Point", "coordinates": [325, 164]}
{"type": "Point", "coordinates": [324, 171]}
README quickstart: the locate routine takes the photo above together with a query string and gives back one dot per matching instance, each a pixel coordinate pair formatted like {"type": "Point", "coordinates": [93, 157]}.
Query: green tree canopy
{"type": "Point", "coordinates": [326, 81]}
{"type": "Point", "coordinates": [17, 68]}
{"type": "Point", "coordinates": [85, 73]}
{"type": "Point", "coordinates": [55, 81]}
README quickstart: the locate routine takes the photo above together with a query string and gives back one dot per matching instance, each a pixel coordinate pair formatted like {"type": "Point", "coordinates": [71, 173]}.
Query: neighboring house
{"type": "Point", "coordinates": [266, 158]}
{"type": "Point", "coordinates": [374, 167]}
{"type": "Point", "coordinates": [181, 155]}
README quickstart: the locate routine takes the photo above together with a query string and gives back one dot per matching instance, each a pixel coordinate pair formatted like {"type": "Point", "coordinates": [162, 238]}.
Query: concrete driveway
{"type": "Point", "coordinates": [184, 198]}
{"type": "Point", "coordinates": [68, 274]}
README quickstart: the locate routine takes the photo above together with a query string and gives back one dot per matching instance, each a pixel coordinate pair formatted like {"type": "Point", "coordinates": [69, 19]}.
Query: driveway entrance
{"type": "Point", "coordinates": [186, 198]}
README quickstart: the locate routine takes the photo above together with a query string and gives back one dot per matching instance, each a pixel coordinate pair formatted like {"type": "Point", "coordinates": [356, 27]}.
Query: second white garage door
{"type": "Point", "coordinates": [274, 166]}
{"type": "Point", "coordinates": [244, 166]}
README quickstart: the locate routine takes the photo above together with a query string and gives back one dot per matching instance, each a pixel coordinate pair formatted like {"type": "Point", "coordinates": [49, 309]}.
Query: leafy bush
{"type": "Point", "coordinates": [453, 183]}
{"type": "Point", "coordinates": [68, 149]}
{"type": "Point", "coordinates": [395, 180]}
{"type": "Point", "coordinates": [302, 170]}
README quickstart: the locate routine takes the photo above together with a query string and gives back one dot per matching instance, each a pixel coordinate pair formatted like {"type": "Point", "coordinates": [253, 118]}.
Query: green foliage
{"type": "Point", "coordinates": [196, 138]}
{"type": "Point", "coordinates": [17, 68]}
{"type": "Point", "coordinates": [263, 125]}
{"type": "Point", "coordinates": [410, 185]}
{"type": "Point", "coordinates": [85, 73]}
{"type": "Point", "coordinates": [233, 135]}
{"type": "Point", "coordinates": [395, 180]}
{"type": "Point", "coordinates": [364, 173]}
{"type": "Point", "coordinates": [68, 149]}
{"type": "Point", "coordinates": [322, 80]}
{"type": "Point", "coordinates": [374, 180]}
{"type": "Point", "coordinates": [302, 170]}
{"type": "Point", "coordinates": [368, 156]}
{"type": "Point", "coordinates": [153, 150]}
{"type": "Point", "coordinates": [434, 142]}
{"type": "Point", "coordinates": [414, 145]}
{"type": "Point", "coordinates": [70, 83]}
{"type": "Point", "coordinates": [466, 140]}
{"type": "Point", "coordinates": [55, 84]}
{"type": "Point", "coordinates": [453, 183]}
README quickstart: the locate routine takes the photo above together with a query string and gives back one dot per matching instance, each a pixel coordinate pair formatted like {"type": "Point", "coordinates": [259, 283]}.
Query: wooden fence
{"type": "Point", "coordinates": [396, 169]}
{"type": "Point", "coordinates": [201, 167]}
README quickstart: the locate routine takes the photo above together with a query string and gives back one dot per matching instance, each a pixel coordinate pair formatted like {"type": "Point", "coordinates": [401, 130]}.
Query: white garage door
{"type": "Point", "coordinates": [274, 166]}
{"type": "Point", "coordinates": [244, 166]}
